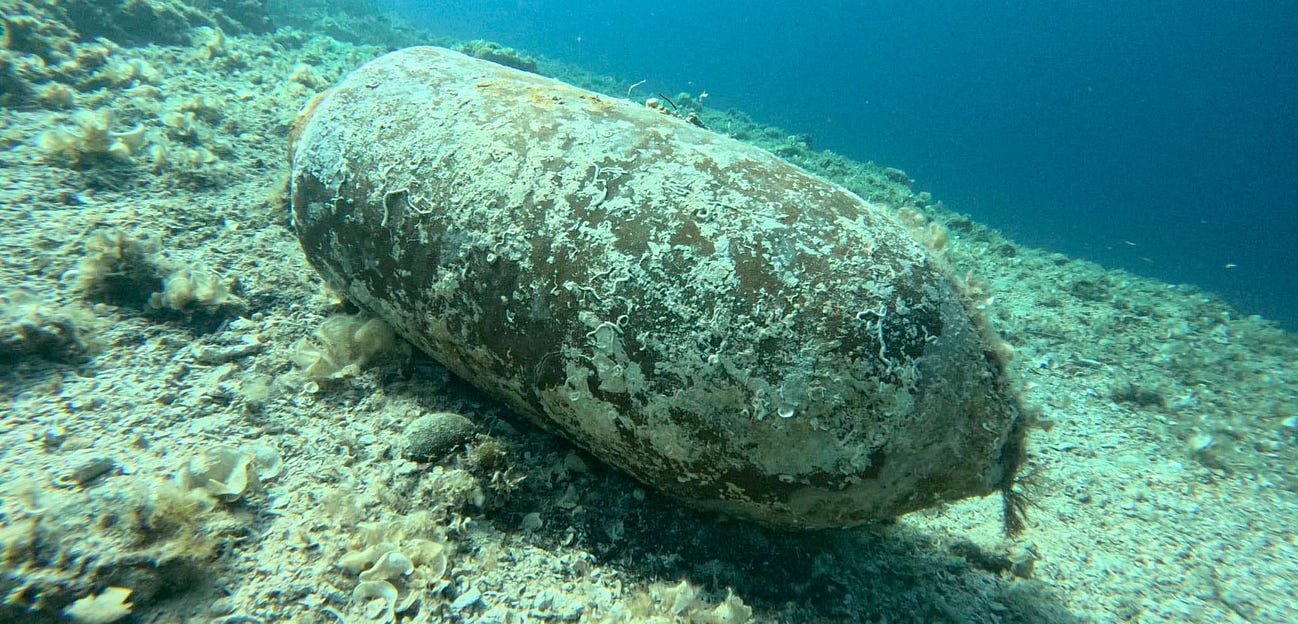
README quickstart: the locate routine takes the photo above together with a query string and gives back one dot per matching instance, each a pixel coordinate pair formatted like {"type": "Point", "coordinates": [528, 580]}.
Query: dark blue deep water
{"type": "Point", "coordinates": [1158, 136]}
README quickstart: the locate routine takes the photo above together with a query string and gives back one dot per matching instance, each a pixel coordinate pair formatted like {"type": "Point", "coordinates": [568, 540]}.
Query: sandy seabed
{"type": "Point", "coordinates": [172, 441]}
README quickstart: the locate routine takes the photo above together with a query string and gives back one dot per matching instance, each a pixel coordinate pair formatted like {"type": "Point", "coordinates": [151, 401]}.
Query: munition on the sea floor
{"type": "Point", "coordinates": [716, 322]}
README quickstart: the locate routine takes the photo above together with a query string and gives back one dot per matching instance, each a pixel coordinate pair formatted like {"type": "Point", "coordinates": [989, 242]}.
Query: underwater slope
{"type": "Point", "coordinates": [192, 422]}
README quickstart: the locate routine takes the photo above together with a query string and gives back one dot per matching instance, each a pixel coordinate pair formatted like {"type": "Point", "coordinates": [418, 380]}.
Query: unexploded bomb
{"type": "Point", "coordinates": [716, 322]}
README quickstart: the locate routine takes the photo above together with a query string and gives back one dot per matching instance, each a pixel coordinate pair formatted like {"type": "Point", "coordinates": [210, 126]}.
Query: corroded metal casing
{"type": "Point", "coordinates": [719, 323]}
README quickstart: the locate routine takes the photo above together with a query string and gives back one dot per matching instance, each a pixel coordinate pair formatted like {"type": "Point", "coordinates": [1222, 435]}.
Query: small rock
{"type": "Point", "coordinates": [1023, 559]}
{"type": "Point", "coordinates": [466, 600]}
{"type": "Point", "coordinates": [429, 438]}
{"type": "Point", "coordinates": [532, 522]}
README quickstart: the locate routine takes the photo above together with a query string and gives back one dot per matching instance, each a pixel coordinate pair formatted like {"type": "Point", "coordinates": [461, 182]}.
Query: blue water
{"type": "Point", "coordinates": [1157, 136]}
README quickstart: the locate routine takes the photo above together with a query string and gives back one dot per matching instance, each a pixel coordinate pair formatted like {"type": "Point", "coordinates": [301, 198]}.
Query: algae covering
{"type": "Point", "coordinates": [1163, 463]}
{"type": "Point", "coordinates": [715, 321]}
